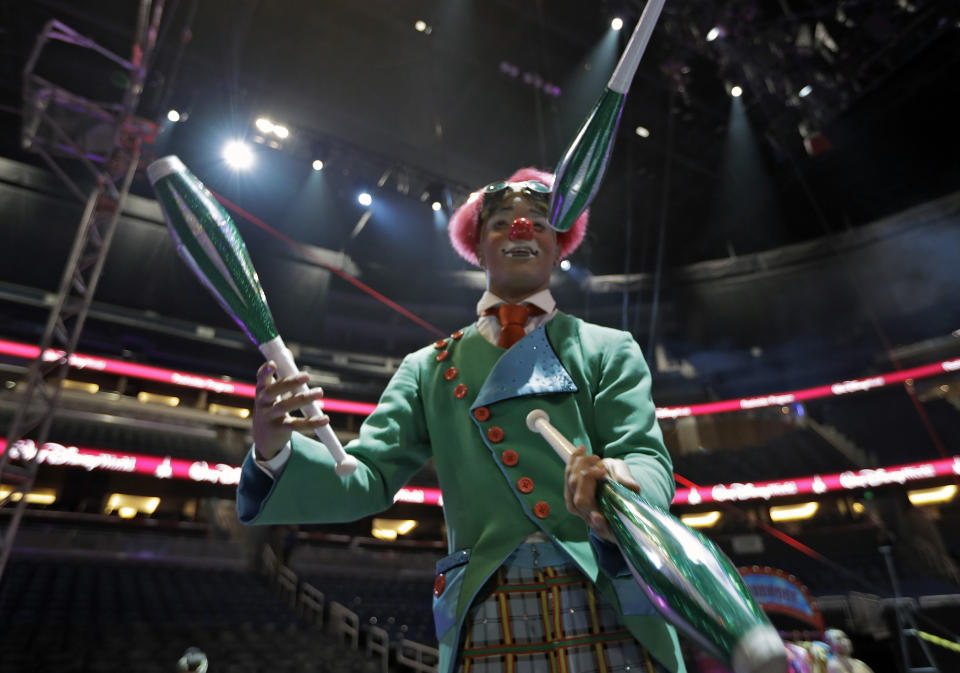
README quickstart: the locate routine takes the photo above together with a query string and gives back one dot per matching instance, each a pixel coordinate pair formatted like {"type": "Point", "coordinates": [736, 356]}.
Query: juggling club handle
{"type": "Point", "coordinates": [538, 420]}
{"type": "Point", "coordinates": [627, 66]}
{"type": "Point", "coordinates": [276, 350]}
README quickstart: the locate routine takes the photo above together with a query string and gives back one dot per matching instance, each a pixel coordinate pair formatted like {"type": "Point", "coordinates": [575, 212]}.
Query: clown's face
{"type": "Point", "coordinates": [517, 248]}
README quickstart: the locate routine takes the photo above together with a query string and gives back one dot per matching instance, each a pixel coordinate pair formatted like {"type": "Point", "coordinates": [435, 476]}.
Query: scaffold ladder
{"type": "Point", "coordinates": [53, 121]}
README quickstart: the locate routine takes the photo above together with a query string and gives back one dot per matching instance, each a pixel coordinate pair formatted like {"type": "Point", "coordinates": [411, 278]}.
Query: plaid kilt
{"type": "Point", "coordinates": [547, 619]}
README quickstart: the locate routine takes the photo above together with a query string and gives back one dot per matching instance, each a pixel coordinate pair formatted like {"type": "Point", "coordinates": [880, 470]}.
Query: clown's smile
{"type": "Point", "coordinates": [525, 250]}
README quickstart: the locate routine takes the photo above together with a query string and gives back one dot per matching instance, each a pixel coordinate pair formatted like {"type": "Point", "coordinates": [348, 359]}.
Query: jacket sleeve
{"type": "Point", "coordinates": [393, 444]}
{"type": "Point", "coordinates": [626, 421]}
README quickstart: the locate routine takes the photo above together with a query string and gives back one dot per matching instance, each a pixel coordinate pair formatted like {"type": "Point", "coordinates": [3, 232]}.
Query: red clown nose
{"type": "Point", "coordinates": [521, 229]}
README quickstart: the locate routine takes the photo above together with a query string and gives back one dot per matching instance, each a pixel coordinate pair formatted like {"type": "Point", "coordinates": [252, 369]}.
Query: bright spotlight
{"type": "Point", "coordinates": [281, 131]}
{"type": "Point", "coordinates": [617, 23]}
{"type": "Point", "coordinates": [364, 199]}
{"type": "Point", "coordinates": [420, 25]}
{"type": "Point", "coordinates": [173, 116]}
{"type": "Point", "coordinates": [317, 165]}
{"type": "Point", "coordinates": [713, 34]}
{"type": "Point", "coordinates": [238, 155]}
{"type": "Point", "coordinates": [736, 91]}
{"type": "Point", "coordinates": [806, 91]}
{"type": "Point", "coordinates": [643, 132]}
{"type": "Point", "coordinates": [264, 124]}
{"type": "Point", "coordinates": [565, 265]}
{"type": "Point", "coordinates": [436, 206]}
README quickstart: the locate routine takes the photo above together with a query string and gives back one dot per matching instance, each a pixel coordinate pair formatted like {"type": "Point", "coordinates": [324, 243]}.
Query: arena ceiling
{"type": "Point", "coordinates": [492, 85]}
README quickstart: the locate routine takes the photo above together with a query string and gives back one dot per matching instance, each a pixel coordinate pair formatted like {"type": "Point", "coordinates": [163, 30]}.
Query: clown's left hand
{"type": "Point", "coordinates": [583, 474]}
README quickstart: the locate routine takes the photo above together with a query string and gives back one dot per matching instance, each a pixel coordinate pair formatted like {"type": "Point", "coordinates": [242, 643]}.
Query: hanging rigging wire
{"type": "Point", "coordinates": [306, 252]}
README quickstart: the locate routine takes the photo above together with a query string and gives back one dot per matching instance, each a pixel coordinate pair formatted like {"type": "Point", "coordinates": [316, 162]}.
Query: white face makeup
{"type": "Point", "coordinates": [518, 257]}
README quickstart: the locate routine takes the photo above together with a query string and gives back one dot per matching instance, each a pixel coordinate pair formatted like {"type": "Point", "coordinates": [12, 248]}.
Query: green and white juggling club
{"type": "Point", "coordinates": [685, 576]}
{"type": "Point", "coordinates": [210, 244]}
{"type": "Point", "coordinates": [585, 161]}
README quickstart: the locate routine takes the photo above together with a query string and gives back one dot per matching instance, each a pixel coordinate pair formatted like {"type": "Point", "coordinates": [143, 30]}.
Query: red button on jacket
{"type": "Point", "coordinates": [525, 484]}
{"type": "Point", "coordinates": [542, 509]}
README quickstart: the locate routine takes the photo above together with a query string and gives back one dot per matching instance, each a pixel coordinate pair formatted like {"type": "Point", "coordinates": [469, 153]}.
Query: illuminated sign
{"type": "Point", "coordinates": [840, 388]}
{"type": "Point", "coordinates": [780, 592]}
{"type": "Point", "coordinates": [161, 467]}
{"type": "Point", "coordinates": [247, 390]}
{"type": "Point", "coordinates": [184, 379]}
{"type": "Point", "coordinates": [165, 467]}
{"type": "Point", "coordinates": [817, 484]}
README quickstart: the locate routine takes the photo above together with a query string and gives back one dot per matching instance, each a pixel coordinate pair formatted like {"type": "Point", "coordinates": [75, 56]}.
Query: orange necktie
{"type": "Point", "coordinates": [512, 318]}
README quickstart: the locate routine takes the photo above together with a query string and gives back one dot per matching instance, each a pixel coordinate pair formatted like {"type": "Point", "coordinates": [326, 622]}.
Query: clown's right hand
{"type": "Point", "coordinates": [274, 400]}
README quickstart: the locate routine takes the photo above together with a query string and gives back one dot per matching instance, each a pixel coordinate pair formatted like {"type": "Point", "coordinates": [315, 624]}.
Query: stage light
{"type": "Point", "coordinates": [703, 520]}
{"type": "Point", "coordinates": [389, 529]}
{"type": "Point", "coordinates": [436, 193]}
{"type": "Point", "coordinates": [41, 496]}
{"type": "Point", "coordinates": [80, 385]}
{"type": "Point", "coordinates": [226, 410]}
{"type": "Point", "coordinates": [364, 199]}
{"type": "Point", "coordinates": [127, 506]}
{"type": "Point", "coordinates": [643, 132]}
{"type": "Point", "coordinates": [238, 155]}
{"type": "Point", "coordinates": [565, 265]}
{"type": "Point", "coordinates": [264, 124]}
{"type": "Point", "coordinates": [806, 91]}
{"type": "Point", "coordinates": [736, 91]}
{"type": "Point", "coordinates": [794, 512]}
{"type": "Point", "coordinates": [154, 398]}
{"type": "Point", "coordinates": [617, 23]}
{"type": "Point", "coordinates": [281, 131]}
{"type": "Point", "coordinates": [173, 116]}
{"type": "Point", "coordinates": [930, 496]}
{"type": "Point", "coordinates": [713, 34]}
{"type": "Point", "coordinates": [420, 25]}
{"type": "Point", "coordinates": [317, 165]}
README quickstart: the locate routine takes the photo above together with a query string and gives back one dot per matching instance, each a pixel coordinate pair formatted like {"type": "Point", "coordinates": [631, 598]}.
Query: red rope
{"type": "Point", "coordinates": [306, 252]}
{"type": "Point", "coordinates": [779, 534]}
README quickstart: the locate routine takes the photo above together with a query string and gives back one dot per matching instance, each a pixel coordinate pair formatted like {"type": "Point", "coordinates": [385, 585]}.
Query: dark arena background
{"type": "Point", "coordinates": [779, 229]}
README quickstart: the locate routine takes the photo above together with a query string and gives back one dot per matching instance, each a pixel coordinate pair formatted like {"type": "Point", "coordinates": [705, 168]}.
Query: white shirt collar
{"type": "Point", "coordinates": [543, 300]}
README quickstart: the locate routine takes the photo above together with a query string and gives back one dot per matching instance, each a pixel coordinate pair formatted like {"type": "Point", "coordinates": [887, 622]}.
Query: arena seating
{"type": "Point", "coordinates": [400, 607]}
{"type": "Point", "coordinates": [886, 424]}
{"type": "Point", "coordinates": [68, 616]}
{"type": "Point", "coordinates": [796, 453]}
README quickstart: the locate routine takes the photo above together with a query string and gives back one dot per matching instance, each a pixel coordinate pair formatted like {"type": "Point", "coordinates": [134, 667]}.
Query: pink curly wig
{"type": "Point", "coordinates": [464, 224]}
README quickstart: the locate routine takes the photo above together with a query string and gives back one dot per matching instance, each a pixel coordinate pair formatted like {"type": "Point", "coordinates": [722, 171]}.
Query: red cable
{"type": "Point", "coordinates": [779, 534]}
{"type": "Point", "coordinates": [347, 277]}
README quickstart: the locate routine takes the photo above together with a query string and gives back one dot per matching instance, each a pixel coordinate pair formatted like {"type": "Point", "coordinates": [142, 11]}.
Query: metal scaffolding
{"type": "Point", "coordinates": [106, 139]}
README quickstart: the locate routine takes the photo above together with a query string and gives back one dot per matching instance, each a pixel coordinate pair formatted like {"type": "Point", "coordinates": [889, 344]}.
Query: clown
{"type": "Point", "coordinates": [531, 584]}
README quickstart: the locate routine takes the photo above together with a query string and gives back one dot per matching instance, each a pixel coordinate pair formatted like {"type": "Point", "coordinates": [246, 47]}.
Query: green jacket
{"type": "Point", "coordinates": [463, 402]}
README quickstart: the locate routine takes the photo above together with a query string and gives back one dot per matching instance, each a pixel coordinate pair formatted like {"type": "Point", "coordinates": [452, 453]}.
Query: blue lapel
{"type": "Point", "coordinates": [530, 367]}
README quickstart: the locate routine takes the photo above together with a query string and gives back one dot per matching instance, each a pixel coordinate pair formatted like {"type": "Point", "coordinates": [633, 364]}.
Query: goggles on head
{"type": "Point", "coordinates": [493, 195]}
